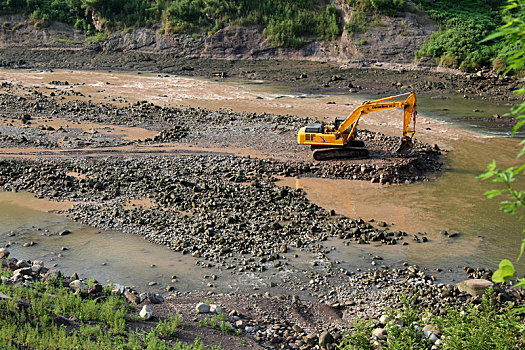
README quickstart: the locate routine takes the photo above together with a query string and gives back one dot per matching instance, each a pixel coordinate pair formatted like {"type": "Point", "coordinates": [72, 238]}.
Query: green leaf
{"type": "Point", "coordinates": [517, 126]}
{"type": "Point", "coordinates": [493, 193]}
{"type": "Point", "coordinates": [505, 271]}
{"type": "Point", "coordinates": [522, 248]}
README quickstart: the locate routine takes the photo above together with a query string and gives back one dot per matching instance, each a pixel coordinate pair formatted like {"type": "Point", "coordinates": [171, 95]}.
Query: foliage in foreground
{"type": "Point", "coordinates": [513, 31]}
{"type": "Point", "coordinates": [286, 22]}
{"type": "Point", "coordinates": [479, 327]}
{"type": "Point", "coordinates": [47, 316]}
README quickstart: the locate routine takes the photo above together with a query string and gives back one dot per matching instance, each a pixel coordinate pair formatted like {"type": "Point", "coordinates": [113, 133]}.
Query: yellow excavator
{"type": "Point", "coordinates": [334, 141]}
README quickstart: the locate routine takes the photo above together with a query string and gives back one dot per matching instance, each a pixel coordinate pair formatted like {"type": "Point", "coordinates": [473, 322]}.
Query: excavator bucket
{"type": "Point", "coordinates": [406, 145]}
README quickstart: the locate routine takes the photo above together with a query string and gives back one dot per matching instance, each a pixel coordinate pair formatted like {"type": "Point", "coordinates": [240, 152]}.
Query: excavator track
{"type": "Point", "coordinates": [340, 153]}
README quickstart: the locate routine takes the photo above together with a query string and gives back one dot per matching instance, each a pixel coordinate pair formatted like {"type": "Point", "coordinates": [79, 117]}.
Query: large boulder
{"type": "Point", "coordinates": [474, 287]}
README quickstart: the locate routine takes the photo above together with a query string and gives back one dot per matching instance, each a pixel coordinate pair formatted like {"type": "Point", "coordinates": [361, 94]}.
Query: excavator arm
{"type": "Point", "coordinates": [342, 132]}
{"type": "Point", "coordinates": [409, 114]}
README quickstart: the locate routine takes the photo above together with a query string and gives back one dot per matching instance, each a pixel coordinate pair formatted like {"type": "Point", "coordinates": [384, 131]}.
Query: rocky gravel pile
{"type": "Point", "coordinates": [211, 129]}
{"type": "Point", "coordinates": [213, 207]}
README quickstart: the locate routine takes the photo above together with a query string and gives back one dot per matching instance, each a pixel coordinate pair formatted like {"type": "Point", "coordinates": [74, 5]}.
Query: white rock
{"type": "Point", "coordinates": [146, 312]}
{"type": "Point", "coordinates": [202, 308]}
{"type": "Point", "coordinates": [78, 285]}
{"type": "Point", "coordinates": [248, 329]}
{"type": "Point", "coordinates": [216, 309]}
{"type": "Point", "coordinates": [384, 319]}
{"type": "Point", "coordinates": [433, 338]}
{"type": "Point", "coordinates": [379, 333]}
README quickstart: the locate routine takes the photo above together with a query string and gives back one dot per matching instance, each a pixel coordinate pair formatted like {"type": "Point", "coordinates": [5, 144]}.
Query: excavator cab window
{"type": "Point", "coordinates": [317, 127]}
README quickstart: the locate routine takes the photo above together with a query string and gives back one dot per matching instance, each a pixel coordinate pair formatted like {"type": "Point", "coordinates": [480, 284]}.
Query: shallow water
{"type": "Point", "coordinates": [453, 201]}
{"type": "Point", "coordinates": [112, 256]}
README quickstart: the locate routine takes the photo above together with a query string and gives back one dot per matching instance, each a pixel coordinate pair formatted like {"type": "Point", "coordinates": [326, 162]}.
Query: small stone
{"type": "Point", "coordinates": [4, 253]}
{"type": "Point", "coordinates": [64, 233]}
{"type": "Point", "coordinates": [25, 271]}
{"type": "Point", "coordinates": [5, 297]}
{"type": "Point", "coordinates": [146, 313]}
{"type": "Point", "coordinates": [95, 289]}
{"type": "Point", "coordinates": [155, 298]}
{"type": "Point", "coordinates": [215, 309]}
{"type": "Point", "coordinates": [22, 263]}
{"type": "Point", "coordinates": [311, 339]}
{"type": "Point", "coordinates": [432, 328]}
{"type": "Point", "coordinates": [202, 308]}
{"type": "Point", "coordinates": [325, 339]}
{"type": "Point", "coordinates": [297, 329]}
{"type": "Point", "coordinates": [151, 284]}
{"type": "Point", "coordinates": [132, 298]}
{"type": "Point", "coordinates": [384, 319]}
{"type": "Point", "coordinates": [433, 338]}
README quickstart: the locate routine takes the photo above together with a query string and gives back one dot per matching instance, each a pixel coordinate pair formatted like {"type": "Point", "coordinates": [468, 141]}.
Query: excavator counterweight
{"type": "Point", "coordinates": [337, 140]}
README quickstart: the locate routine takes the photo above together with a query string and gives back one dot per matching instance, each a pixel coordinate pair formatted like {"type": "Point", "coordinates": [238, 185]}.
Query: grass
{"type": "Point", "coordinates": [168, 328]}
{"type": "Point", "coordinates": [47, 316]}
{"type": "Point", "coordinates": [478, 327]}
{"type": "Point", "coordinates": [98, 38]}
{"type": "Point", "coordinates": [218, 321]}
{"type": "Point", "coordinates": [285, 22]}
{"type": "Point", "coordinates": [68, 41]}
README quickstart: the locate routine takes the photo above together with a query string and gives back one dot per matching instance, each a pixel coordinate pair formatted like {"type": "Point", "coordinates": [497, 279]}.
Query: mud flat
{"type": "Point", "coordinates": [303, 76]}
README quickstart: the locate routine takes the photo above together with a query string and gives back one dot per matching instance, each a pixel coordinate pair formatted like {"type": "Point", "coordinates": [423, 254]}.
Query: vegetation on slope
{"type": "Point", "coordinates": [286, 22]}
{"type": "Point", "coordinates": [463, 24]}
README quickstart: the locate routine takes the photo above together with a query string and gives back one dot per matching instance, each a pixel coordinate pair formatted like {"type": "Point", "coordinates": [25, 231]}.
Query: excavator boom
{"type": "Point", "coordinates": [332, 141]}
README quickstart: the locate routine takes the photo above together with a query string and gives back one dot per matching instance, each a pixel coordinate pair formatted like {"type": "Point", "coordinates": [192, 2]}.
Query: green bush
{"type": "Point", "coordinates": [98, 38]}
{"type": "Point", "coordinates": [390, 7]}
{"type": "Point", "coordinates": [478, 327]}
{"type": "Point", "coordinates": [463, 25]}
{"type": "Point", "coordinates": [358, 22]}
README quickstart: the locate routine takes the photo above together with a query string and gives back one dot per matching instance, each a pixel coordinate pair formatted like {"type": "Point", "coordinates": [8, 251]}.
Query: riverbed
{"type": "Point", "coordinates": [452, 201]}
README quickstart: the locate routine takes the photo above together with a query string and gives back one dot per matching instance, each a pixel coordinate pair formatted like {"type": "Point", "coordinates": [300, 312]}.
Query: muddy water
{"type": "Point", "coordinates": [110, 256]}
{"type": "Point", "coordinates": [453, 201]}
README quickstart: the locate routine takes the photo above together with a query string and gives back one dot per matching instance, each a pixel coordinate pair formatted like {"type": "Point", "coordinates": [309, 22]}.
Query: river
{"type": "Point", "coordinates": [452, 201]}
